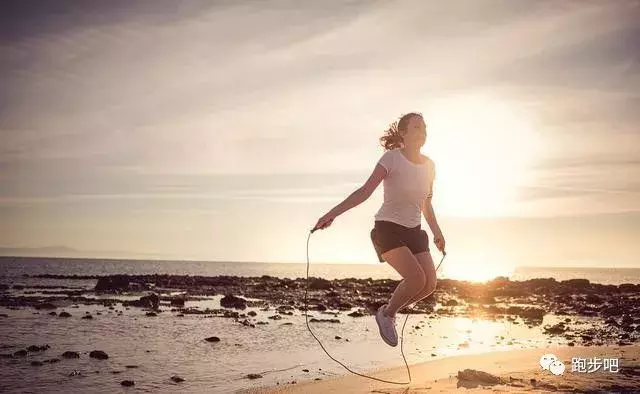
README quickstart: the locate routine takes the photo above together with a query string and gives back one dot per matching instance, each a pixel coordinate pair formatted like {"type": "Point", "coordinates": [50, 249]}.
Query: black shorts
{"type": "Point", "coordinates": [387, 235]}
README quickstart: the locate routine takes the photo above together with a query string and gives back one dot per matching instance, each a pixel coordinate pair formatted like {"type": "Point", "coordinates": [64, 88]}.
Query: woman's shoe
{"type": "Point", "coordinates": [387, 327]}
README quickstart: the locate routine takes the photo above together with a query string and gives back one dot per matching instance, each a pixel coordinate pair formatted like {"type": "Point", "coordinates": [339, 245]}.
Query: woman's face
{"type": "Point", "coordinates": [416, 133]}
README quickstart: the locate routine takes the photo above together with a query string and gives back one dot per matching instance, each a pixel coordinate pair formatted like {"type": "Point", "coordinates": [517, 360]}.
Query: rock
{"type": "Point", "coordinates": [45, 305]}
{"type": "Point", "coordinates": [254, 376]}
{"type": "Point", "coordinates": [212, 339]}
{"type": "Point", "coordinates": [593, 299]}
{"type": "Point", "coordinates": [37, 363]}
{"type": "Point", "coordinates": [629, 288]}
{"type": "Point", "coordinates": [99, 354]}
{"type": "Point", "coordinates": [247, 323]}
{"type": "Point", "coordinates": [54, 360]}
{"type": "Point", "coordinates": [64, 314]}
{"type": "Point", "coordinates": [314, 320]}
{"type": "Point", "coordinates": [578, 284]}
{"type": "Point", "coordinates": [128, 383]}
{"type": "Point", "coordinates": [319, 284]}
{"type": "Point", "coordinates": [548, 387]}
{"type": "Point", "coordinates": [451, 303]}
{"type": "Point", "coordinates": [612, 322]}
{"type": "Point", "coordinates": [338, 337]}
{"type": "Point", "coordinates": [20, 353]}
{"type": "Point", "coordinates": [479, 377]}
{"type": "Point", "coordinates": [556, 329]}
{"type": "Point", "coordinates": [177, 379]}
{"type": "Point", "coordinates": [87, 317]}
{"type": "Point", "coordinates": [614, 310]}
{"type": "Point", "coordinates": [52, 314]}
{"type": "Point", "coordinates": [151, 301]}
{"type": "Point", "coordinates": [69, 354]}
{"type": "Point", "coordinates": [177, 302]}
{"type": "Point", "coordinates": [151, 314]}
{"type": "Point", "coordinates": [357, 313]}
{"type": "Point", "coordinates": [231, 301]}
{"type": "Point", "coordinates": [35, 348]}
{"type": "Point", "coordinates": [527, 313]}
{"type": "Point", "coordinates": [113, 283]}
{"type": "Point", "coordinates": [252, 313]}
{"type": "Point", "coordinates": [131, 366]}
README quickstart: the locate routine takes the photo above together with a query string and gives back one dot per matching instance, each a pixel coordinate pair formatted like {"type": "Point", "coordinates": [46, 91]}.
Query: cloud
{"type": "Point", "coordinates": [132, 90]}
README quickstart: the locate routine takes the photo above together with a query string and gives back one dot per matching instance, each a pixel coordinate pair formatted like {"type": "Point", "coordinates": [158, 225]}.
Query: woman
{"type": "Point", "coordinates": [397, 237]}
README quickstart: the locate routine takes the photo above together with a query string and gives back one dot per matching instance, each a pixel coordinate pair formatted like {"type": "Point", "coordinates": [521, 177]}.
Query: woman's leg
{"type": "Point", "coordinates": [407, 265]}
{"type": "Point", "coordinates": [426, 263]}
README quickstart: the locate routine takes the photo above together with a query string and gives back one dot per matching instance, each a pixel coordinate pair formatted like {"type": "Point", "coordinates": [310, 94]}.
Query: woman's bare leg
{"type": "Point", "coordinates": [426, 263]}
{"type": "Point", "coordinates": [408, 266]}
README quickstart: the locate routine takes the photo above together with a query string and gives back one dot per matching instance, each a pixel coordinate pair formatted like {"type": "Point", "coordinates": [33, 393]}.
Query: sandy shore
{"type": "Point", "coordinates": [510, 371]}
{"type": "Point", "coordinates": [575, 311]}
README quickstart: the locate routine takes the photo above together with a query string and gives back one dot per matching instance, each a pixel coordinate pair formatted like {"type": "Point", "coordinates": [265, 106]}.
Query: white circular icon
{"type": "Point", "coordinates": [546, 360]}
{"type": "Point", "coordinates": [556, 367]}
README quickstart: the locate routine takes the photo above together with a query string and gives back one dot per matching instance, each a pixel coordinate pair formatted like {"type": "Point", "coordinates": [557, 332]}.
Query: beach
{"type": "Point", "coordinates": [97, 332]}
{"type": "Point", "coordinates": [509, 371]}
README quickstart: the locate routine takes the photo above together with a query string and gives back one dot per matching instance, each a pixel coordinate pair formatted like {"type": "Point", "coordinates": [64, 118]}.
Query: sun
{"type": "Point", "coordinates": [483, 147]}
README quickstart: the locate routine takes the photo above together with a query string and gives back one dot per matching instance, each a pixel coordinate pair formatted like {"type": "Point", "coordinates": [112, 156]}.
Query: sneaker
{"type": "Point", "coordinates": [387, 326]}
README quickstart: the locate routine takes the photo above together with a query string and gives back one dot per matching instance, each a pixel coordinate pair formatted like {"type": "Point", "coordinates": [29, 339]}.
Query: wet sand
{"type": "Point", "coordinates": [585, 316]}
{"type": "Point", "coordinates": [510, 371]}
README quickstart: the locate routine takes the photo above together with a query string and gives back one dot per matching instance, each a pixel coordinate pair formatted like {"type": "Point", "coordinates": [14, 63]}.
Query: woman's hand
{"type": "Point", "coordinates": [325, 221]}
{"type": "Point", "coordinates": [438, 239]}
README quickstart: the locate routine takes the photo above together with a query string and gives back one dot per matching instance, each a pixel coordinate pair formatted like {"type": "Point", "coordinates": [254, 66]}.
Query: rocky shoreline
{"type": "Point", "coordinates": [616, 307]}
{"type": "Point", "coordinates": [587, 314]}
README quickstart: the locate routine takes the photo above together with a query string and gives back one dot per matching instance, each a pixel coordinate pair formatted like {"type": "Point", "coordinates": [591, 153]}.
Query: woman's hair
{"type": "Point", "coordinates": [392, 137]}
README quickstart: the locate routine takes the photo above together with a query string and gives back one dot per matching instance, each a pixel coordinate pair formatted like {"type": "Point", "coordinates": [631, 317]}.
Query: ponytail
{"type": "Point", "coordinates": [392, 137]}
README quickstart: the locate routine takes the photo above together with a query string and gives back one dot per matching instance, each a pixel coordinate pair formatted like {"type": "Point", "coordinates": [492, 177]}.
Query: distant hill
{"type": "Point", "coordinates": [42, 251]}
{"type": "Point", "coordinates": [65, 251]}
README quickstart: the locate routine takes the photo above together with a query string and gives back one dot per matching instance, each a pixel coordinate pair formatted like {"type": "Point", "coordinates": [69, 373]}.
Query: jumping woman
{"type": "Point", "coordinates": [397, 236]}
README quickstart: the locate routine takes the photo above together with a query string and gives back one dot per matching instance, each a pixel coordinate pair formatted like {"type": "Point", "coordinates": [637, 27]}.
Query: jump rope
{"type": "Point", "coordinates": [306, 315]}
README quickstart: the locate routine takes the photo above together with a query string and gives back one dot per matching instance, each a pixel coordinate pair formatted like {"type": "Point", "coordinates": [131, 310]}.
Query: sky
{"type": "Point", "coordinates": [223, 130]}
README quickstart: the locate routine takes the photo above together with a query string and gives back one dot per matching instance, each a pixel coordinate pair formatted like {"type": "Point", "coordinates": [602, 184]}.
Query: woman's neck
{"type": "Point", "coordinates": [412, 154]}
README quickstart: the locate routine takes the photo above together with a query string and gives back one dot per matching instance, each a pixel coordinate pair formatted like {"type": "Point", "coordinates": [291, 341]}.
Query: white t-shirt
{"type": "Point", "coordinates": [406, 186]}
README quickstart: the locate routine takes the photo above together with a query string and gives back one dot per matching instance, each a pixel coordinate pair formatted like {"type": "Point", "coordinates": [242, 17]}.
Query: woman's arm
{"type": "Point", "coordinates": [356, 198]}
{"type": "Point", "coordinates": [362, 193]}
{"type": "Point", "coordinates": [430, 217]}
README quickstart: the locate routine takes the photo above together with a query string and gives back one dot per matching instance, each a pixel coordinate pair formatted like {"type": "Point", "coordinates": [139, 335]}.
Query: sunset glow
{"type": "Point", "coordinates": [484, 148]}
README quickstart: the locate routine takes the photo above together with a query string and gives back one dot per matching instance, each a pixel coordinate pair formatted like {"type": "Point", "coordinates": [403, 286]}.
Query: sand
{"type": "Point", "coordinates": [518, 371]}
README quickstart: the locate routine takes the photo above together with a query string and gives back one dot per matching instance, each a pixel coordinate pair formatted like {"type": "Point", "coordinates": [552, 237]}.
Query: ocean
{"type": "Point", "coordinates": [19, 266]}
{"type": "Point", "coordinates": [150, 350]}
